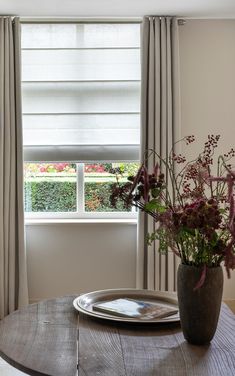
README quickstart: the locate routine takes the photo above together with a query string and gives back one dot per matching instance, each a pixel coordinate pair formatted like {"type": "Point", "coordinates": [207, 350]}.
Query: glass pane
{"type": "Point", "coordinates": [80, 35]}
{"type": "Point", "coordinates": [66, 65]}
{"type": "Point", "coordinates": [99, 179]}
{"type": "Point", "coordinates": [50, 187]}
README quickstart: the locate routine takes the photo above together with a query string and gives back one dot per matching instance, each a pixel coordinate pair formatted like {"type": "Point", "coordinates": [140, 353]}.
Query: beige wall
{"type": "Point", "coordinates": [64, 259]}
{"type": "Point", "coordinates": [207, 62]}
{"type": "Point", "coordinates": [74, 258]}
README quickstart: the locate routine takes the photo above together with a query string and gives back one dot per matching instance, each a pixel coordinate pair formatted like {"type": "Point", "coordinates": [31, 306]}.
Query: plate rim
{"type": "Point", "coordinates": [95, 314]}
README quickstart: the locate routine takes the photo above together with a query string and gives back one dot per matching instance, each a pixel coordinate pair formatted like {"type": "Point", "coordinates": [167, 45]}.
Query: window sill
{"type": "Point", "coordinates": [64, 221]}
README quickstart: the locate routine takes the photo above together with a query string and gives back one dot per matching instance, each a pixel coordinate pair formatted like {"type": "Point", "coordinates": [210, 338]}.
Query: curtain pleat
{"type": "Point", "coordinates": [160, 128]}
{"type": "Point", "coordinates": [13, 275]}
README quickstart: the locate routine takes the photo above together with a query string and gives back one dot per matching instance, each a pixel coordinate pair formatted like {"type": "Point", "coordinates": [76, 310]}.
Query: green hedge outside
{"type": "Point", "coordinates": [97, 198]}
{"type": "Point", "coordinates": [46, 196]}
{"type": "Point", "coordinates": [57, 196]}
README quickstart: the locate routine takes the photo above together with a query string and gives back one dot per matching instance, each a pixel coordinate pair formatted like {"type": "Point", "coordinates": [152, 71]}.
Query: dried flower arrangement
{"type": "Point", "coordinates": [193, 206]}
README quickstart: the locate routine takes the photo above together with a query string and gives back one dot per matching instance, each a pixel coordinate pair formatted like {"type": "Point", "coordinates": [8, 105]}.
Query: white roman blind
{"type": "Point", "coordinates": [81, 91]}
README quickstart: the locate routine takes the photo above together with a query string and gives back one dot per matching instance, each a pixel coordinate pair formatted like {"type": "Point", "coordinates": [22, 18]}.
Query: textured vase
{"type": "Point", "coordinates": [199, 309]}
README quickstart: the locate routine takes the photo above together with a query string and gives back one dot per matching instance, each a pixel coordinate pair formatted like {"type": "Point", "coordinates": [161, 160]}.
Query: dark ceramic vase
{"type": "Point", "coordinates": [199, 309]}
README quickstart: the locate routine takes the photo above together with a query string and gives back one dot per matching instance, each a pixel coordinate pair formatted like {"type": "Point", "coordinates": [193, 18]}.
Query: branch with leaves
{"type": "Point", "coordinates": [194, 211]}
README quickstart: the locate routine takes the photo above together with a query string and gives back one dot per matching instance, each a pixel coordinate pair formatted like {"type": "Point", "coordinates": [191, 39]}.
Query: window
{"type": "Point", "coordinates": [81, 104]}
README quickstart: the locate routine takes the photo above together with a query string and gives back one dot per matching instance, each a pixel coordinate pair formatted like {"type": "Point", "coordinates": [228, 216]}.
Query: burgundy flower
{"type": "Point", "coordinates": [194, 211]}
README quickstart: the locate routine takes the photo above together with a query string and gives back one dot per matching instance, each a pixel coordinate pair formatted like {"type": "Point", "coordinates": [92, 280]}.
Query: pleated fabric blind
{"type": "Point", "coordinates": [81, 91]}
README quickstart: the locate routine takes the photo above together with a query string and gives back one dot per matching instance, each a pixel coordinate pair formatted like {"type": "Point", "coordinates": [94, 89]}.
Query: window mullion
{"type": "Point", "coordinates": [80, 188]}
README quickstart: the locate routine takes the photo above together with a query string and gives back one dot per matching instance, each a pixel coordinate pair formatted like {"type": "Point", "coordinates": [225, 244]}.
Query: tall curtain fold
{"type": "Point", "coordinates": [160, 128]}
{"type": "Point", "coordinates": [13, 275]}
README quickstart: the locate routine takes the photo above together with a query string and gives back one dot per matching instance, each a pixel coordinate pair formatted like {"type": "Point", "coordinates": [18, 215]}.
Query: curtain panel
{"type": "Point", "coordinates": [13, 277]}
{"type": "Point", "coordinates": [160, 128]}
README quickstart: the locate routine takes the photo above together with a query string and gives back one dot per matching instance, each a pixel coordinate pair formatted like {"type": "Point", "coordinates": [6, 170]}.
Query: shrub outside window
{"type": "Point", "coordinates": [54, 187]}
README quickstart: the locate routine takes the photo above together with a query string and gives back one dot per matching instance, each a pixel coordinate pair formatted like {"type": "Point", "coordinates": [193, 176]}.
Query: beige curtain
{"type": "Point", "coordinates": [13, 278]}
{"type": "Point", "coordinates": [160, 127]}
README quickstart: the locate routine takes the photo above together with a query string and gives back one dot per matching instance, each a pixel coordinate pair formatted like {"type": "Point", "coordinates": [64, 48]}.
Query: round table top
{"type": "Point", "coordinates": [43, 339]}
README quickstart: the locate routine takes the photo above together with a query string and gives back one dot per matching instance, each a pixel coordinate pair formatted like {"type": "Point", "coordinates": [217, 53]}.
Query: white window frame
{"type": "Point", "coordinates": [80, 214]}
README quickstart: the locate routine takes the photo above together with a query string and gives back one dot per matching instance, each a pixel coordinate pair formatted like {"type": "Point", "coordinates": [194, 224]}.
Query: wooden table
{"type": "Point", "coordinates": [43, 339]}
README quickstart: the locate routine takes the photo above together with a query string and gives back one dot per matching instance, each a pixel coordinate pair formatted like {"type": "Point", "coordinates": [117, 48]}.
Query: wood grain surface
{"type": "Point", "coordinates": [42, 340]}
{"type": "Point", "coordinates": [112, 350]}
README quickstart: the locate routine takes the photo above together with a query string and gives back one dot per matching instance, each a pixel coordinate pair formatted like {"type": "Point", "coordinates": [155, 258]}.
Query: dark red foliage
{"type": "Point", "coordinates": [191, 207]}
{"type": "Point", "coordinates": [201, 214]}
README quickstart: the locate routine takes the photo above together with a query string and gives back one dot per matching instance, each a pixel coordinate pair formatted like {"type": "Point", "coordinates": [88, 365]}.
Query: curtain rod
{"type": "Point", "coordinates": [47, 20]}
{"type": "Point", "coordinates": [80, 19]}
